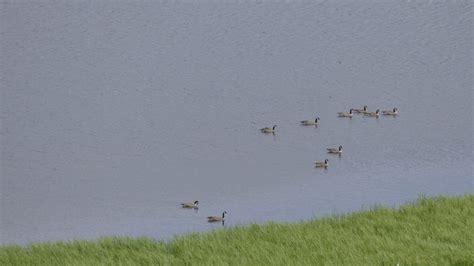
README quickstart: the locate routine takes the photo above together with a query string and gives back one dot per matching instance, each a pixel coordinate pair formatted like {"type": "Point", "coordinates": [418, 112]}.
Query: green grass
{"type": "Point", "coordinates": [436, 231]}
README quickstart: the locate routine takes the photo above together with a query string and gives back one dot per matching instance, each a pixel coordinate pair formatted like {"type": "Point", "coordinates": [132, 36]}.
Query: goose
{"type": "Point", "coordinates": [268, 129]}
{"type": "Point", "coordinates": [310, 122]}
{"type": "Point", "coordinates": [216, 218]}
{"type": "Point", "coordinates": [393, 112]}
{"type": "Point", "coordinates": [322, 164]}
{"type": "Point", "coordinates": [343, 114]}
{"type": "Point", "coordinates": [363, 110]}
{"type": "Point", "coordinates": [190, 205]}
{"type": "Point", "coordinates": [373, 114]}
{"type": "Point", "coordinates": [335, 151]}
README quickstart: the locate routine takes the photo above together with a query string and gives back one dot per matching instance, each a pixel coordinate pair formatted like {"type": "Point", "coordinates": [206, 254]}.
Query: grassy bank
{"type": "Point", "coordinates": [435, 231]}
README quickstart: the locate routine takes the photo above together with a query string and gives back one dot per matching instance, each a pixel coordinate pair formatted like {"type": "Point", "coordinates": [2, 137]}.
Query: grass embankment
{"type": "Point", "coordinates": [435, 231]}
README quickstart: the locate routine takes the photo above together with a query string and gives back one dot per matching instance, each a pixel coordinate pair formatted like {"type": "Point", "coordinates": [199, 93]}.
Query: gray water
{"type": "Point", "coordinates": [114, 113]}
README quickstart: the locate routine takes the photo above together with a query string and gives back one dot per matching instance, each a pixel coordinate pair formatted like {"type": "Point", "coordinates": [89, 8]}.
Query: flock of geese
{"type": "Point", "coordinates": [324, 164]}
{"type": "Point", "coordinates": [314, 122]}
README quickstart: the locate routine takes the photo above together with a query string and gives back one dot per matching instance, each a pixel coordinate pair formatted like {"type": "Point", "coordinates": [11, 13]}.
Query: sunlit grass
{"type": "Point", "coordinates": [436, 231]}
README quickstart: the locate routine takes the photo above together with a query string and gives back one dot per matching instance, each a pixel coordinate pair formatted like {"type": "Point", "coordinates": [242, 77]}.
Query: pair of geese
{"type": "Point", "coordinates": [365, 111]}
{"type": "Point", "coordinates": [195, 205]}
{"type": "Point", "coordinates": [314, 122]}
{"type": "Point", "coordinates": [325, 164]}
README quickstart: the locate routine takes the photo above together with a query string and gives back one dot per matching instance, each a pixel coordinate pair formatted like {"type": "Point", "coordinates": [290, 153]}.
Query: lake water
{"type": "Point", "coordinates": [114, 113]}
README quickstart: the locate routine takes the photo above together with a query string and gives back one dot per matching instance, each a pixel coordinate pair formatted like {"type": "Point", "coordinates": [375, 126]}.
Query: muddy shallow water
{"type": "Point", "coordinates": [114, 113]}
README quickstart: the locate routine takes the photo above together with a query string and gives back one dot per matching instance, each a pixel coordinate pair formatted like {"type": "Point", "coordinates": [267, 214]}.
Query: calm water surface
{"type": "Point", "coordinates": [113, 113]}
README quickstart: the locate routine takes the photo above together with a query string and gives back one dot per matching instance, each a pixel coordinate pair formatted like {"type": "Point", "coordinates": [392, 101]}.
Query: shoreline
{"type": "Point", "coordinates": [430, 230]}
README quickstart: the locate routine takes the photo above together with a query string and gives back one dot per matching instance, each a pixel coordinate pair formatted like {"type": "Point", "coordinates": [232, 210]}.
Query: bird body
{"type": "Point", "coordinates": [268, 129]}
{"type": "Point", "coordinates": [310, 122]}
{"type": "Point", "coordinates": [373, 114]}
{"type": "Point", "coordinates": [345, 114]}
{"type": "Point", "coordinates": [217, 218]}
{"type": "Point", "coordinates": [334, 150]}
{"type": "Point", "coordinates": [322, 164]}
{"type": "Point", "coordinates": [190, 205]}
{"type": "Point", "coordinates": [363, 110]}
{"type": "Point", "coordinates": [393, 112]}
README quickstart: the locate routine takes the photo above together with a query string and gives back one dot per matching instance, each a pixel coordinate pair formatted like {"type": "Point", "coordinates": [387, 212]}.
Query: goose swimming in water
{"type": "Point", "coordinates": [217, 218]}
{"type": "Point", "coordinates": [322, 164]}
{"type": "Point", "coordinates": [268, 129]}
{"type": "Point", "coordinates": [335, 151]}
{"type": "Point", "coordinates": [363, 110]}
{"type": "Point", "coordinates": [373, 114]}
{"type": "Point", "coordinates": [393, 112]}
{"type": "Point", "coordinates": [344, 114]}
{"type": "Point", "coordinates": [310, 122]}
{"type": "Point", "coordinates": [190, 205]}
